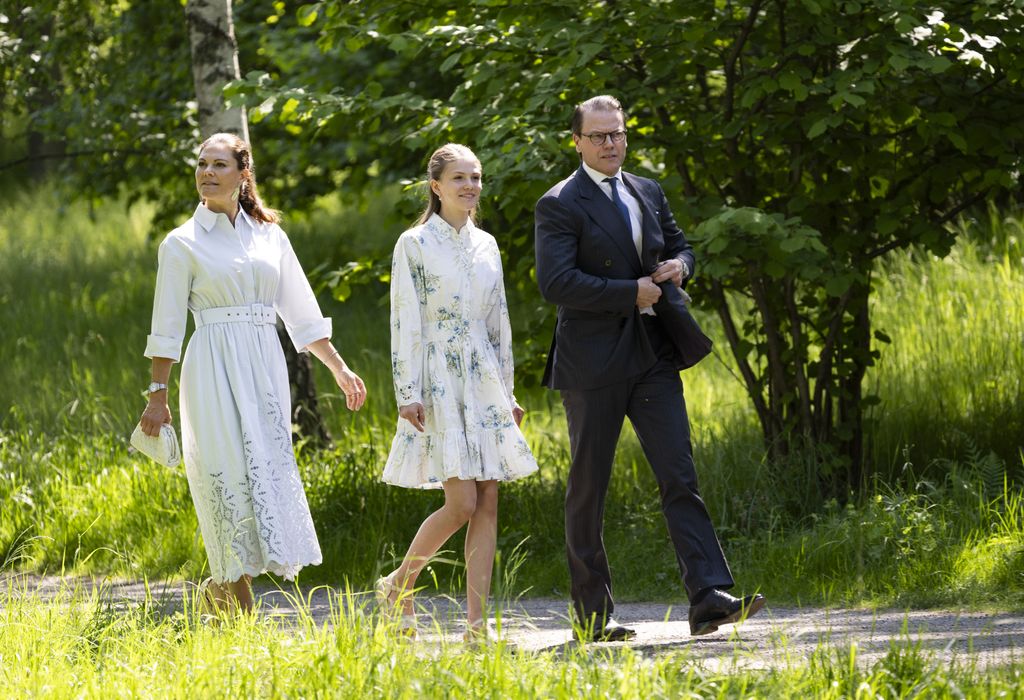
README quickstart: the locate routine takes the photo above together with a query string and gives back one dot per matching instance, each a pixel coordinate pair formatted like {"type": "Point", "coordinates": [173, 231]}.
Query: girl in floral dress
{"type": "Point", "coordinates": [451, 354]}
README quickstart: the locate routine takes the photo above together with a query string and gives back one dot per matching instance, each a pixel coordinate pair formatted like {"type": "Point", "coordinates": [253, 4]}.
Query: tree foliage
{"type": "Point", "coordinates": [800, 140]}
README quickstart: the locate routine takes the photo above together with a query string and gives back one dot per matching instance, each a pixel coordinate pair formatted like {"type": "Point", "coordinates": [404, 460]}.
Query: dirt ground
{"type": "Point", "coordinates": [777, 636]}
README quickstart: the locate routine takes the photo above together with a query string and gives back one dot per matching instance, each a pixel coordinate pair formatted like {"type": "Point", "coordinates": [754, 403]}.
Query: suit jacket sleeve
{"type": "Point", "coordinates": [560, 279]}
{"type": "Point", "coordinates": [676, 245]}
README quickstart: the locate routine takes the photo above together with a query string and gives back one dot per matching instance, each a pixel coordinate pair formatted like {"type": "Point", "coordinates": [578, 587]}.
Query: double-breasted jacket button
{"type": "Point", "coordinates": [608, 263]}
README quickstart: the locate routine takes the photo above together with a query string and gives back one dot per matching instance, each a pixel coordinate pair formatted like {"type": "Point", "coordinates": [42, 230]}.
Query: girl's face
{"type": "Point", "coordinates": [217, 176]}
{"type": "Point", "coordinates": [459, 186]}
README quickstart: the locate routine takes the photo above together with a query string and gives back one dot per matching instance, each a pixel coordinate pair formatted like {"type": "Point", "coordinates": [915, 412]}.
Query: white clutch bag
{"type": "Point", "coordinates": [163, 449]}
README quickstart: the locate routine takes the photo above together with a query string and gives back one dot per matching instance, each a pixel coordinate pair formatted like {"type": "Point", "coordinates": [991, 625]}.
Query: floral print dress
{"type": "Point", "coordinates": [451, 350]}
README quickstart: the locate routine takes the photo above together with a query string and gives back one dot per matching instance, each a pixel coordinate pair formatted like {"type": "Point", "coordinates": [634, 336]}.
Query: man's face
{"type": "Point", "coordinates": [606, 158]}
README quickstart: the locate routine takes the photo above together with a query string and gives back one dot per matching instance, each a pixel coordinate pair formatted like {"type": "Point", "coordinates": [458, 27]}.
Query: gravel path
{"type": "Point", "coordinates": [776, 636]}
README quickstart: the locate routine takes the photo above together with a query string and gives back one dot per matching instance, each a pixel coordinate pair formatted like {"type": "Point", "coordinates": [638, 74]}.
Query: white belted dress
{"type": "Point", "coordinates": [235, 402]}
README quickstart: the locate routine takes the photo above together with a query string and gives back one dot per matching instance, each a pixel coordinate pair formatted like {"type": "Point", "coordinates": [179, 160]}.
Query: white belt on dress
{"type": "Point", "coordinates": [257, 314]}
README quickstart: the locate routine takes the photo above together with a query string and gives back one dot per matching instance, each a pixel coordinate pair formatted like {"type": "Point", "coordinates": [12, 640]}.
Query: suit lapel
{"type": "Point", "coordinates": [606, 216]}
{"type": "Point", "coordinates": [652, 241]}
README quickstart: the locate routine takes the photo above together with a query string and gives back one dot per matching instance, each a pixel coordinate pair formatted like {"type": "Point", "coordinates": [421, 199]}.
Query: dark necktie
{"type": "Point", "coordinates": [614, 182]}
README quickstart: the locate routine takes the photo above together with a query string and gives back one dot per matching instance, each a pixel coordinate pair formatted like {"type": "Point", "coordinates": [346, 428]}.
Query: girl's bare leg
{"type": "Point", "coordinates": [460, 502]}
{"type": "Point", "coordinates": [481, 540]}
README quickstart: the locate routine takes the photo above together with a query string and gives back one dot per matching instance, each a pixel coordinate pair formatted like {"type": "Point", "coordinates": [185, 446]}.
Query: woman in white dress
{"type": "Point", "coordinates": [451, 354]}
{"type": "Point", "coordinates": [233, 267]}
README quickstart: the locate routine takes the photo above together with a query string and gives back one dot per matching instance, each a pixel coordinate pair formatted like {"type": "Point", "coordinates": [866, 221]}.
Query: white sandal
{"type": "Point", "coordinates": [384, 589]}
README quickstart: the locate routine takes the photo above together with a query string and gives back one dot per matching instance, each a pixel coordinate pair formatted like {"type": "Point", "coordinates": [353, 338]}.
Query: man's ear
{"type": "Point", "coordinates": [576, 141]}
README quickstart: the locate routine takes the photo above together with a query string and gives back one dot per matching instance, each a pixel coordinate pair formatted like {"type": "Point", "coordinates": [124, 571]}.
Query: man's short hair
{"type": "Point", "coordinates": [601, 103]}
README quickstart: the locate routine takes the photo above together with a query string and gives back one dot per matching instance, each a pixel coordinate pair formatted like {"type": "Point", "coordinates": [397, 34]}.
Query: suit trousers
{"type": "Point", "coordinates": [654, 403]}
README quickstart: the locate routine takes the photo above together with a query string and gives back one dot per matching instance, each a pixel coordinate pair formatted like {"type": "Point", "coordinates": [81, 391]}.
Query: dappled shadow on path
{"type": "Point", "coordinates": [778, 636]}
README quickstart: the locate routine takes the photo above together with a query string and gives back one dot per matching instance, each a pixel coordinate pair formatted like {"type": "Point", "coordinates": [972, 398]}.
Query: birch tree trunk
{"type": "Point", "coordinates": [214, 63]}
{"type": "Point", "coordinates": [211, 34]}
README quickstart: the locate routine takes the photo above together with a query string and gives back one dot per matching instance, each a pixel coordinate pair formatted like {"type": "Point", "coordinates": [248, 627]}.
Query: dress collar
{"type": "Point", "coordinates": [439, 224]}
{"type": "Point", "coordinates": [208, 219]}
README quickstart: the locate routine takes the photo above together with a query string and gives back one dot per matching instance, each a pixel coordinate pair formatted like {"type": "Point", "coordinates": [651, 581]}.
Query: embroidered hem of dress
{"type": "Point", "coordinates": [286, 571]}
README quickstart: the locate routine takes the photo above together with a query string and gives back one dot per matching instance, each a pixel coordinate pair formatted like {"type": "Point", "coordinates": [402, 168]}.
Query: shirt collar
{"type": "Point", "coordinates": [208, 219]}
{"type": "Point", "coordinates": [599, 177]}
{"type": "Point", "coordinates": [246, 218]}
{"type": "Point", "coordinates": [440, 224]}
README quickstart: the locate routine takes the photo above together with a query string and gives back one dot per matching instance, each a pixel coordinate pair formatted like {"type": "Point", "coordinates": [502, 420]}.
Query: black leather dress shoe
{"type": "Point", "coordinates": [718, 608]}
{"type": "Point", "coordinates": [612, 632]}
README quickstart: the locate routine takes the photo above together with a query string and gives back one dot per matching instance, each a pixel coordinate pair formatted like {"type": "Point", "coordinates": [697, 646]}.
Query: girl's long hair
{"type": "Point", "coordinates": [440, 159]}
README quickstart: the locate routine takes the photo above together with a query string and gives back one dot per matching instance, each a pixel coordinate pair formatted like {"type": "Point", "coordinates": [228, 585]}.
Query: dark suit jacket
{"type": "Point", "coordinates": [588, 266]}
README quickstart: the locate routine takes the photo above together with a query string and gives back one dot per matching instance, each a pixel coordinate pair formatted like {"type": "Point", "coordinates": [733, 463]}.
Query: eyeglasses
{"type": "Point", "coordinates": [598, 138]}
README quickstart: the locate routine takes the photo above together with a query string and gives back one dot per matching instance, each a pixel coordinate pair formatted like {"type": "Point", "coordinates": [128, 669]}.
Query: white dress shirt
{"type": "Point", "coordinates": [635, 217]}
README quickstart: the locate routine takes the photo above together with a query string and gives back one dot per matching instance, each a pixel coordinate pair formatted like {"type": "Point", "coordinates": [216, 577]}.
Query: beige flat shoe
{"type": "Point", "coordinates": [389, 598]}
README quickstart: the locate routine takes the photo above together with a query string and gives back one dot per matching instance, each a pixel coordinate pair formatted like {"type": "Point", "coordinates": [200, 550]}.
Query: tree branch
{"type": "Point", "coordinates": [76, 154]}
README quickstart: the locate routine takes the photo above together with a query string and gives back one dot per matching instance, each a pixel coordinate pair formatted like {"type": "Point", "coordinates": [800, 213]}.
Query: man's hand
{"type": "Point", "coordinates": [413, 412]}
{"type": "Point", "coordinates": [672, 270]}
{"type": "Point", "coordinates": [647, 292]}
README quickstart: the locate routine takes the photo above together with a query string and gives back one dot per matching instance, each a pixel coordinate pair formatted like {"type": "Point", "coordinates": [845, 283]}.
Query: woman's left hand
{"type": "Point", "coordinates": [352, 386]}
{"type": "Point", "coordinates": [517, 414]}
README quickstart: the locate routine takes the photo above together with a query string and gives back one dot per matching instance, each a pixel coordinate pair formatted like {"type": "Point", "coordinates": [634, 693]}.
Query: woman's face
{"type": "Point", "coordinates": [218, 177]}
{"type": "Point", "coordinates": [460, 185]}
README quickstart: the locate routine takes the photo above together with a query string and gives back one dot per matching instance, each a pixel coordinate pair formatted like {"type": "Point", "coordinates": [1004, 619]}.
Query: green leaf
{"type": "Point", "coordinates": [939, 64]}
{"type": "Point", "coordinates": [837, 286]}
{"type": "Point", "coordinates": [853, 99]}
{"type": "Point", "coordinates": [450, 62]}
{"type": "Point", "coordinates": [307, 14]}
{"type": "Point", "coordinates": [790, 81]}
{"type": "Point", "coordinates": [898, 63]}
{"type": "Point", "coordinates": [818, 128]}
{"type": "Point", "coordinates": [716, 244]}
{"type": "Point", "coordinates": [791, 245]}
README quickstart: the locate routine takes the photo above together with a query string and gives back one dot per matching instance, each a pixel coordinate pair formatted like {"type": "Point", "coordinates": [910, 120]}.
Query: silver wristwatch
{"type": "Point", "coordinates": [154, 387]}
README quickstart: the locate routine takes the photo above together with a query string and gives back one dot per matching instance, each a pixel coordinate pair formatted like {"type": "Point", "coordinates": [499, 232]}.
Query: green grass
{"type": "Point", "coordinates": [95, 649]}
{"type": "Point", "coordinates": [937, 528]}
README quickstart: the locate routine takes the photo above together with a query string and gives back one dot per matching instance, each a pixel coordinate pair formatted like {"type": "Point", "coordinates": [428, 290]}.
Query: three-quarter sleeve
{"type": "Point", "coordinates": [170, 300]}
{"type": "Point", "coordinates": [499, 332]}
{"type": "Point", "coordinates": [406, 320]}
{"type": "Point", "coordinates": [296, 304]}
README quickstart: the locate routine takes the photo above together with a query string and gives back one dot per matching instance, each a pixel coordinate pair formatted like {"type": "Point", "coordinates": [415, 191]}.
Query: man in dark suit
{"type": "Point", "coordinates": [610, 255]}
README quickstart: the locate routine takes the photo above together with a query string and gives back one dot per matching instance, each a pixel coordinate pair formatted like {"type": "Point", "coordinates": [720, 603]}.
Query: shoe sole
{"type": "Point", "coordinates": [598, 640]}
{"type": "Point", "coordinates": [709, 626]}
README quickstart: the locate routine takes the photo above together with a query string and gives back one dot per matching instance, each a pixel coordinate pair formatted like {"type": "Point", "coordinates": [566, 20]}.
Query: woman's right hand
{"type": "Point", "coordinates": [413, 412]}
{"type": "Point", "coordinates": [156, 414]}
